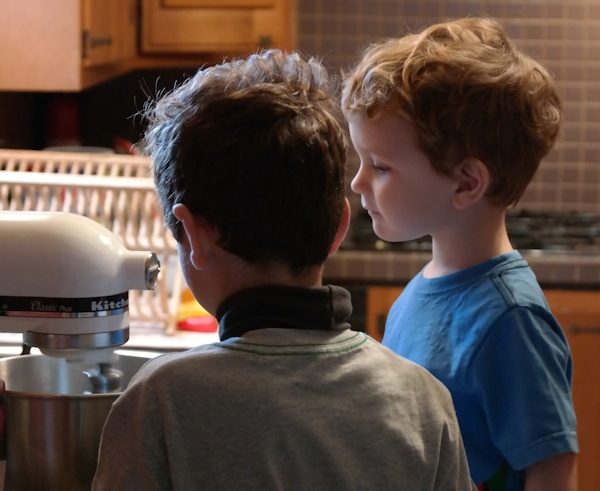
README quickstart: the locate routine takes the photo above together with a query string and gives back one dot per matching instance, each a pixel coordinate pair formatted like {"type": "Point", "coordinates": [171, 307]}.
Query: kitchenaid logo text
{"type": "Point", "coordinates": [15, 306]}
{"type": "Point", "coordinates": [101, 305]}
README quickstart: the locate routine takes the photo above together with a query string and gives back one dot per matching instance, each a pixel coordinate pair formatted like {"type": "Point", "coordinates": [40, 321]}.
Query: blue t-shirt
{"type": "Point", "coordinates": [487, 333]}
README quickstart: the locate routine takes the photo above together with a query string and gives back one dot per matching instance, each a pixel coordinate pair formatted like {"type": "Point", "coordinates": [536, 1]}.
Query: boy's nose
{"type": "Point", "coordinates": [357, 183]}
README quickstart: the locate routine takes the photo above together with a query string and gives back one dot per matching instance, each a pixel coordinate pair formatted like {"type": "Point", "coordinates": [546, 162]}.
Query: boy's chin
{"type": "Point", "coordinates": [394, 238]}
{"type": "Point", "coordinates": [391, 236]}
{"type": "Point", "coordinates": [384, 234]}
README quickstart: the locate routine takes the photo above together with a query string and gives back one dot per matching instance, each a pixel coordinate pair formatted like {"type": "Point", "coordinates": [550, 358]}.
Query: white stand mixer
{"type": "Point", "coordinates": [64, 282]}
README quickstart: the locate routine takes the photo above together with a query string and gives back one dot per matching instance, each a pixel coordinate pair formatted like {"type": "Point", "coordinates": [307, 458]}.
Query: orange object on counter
{"type": "Point", "coordinates": [193, 317]}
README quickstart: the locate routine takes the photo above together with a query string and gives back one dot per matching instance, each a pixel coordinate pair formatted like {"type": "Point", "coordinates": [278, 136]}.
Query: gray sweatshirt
{"type": "Point", "coordinates": [323, 408]}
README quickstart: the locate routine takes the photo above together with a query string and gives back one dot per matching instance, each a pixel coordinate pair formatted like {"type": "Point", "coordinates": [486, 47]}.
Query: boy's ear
{"type": "Point", "coordinates": [473, 179]}
{"type": "Point", "coordinates": [342, 227]}
{"type": "Point", "coordinates": [197, 236]}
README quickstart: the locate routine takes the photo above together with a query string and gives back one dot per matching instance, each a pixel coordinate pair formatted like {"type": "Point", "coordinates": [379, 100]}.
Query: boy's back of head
{"type": "Point", "coordinates": [470, 93]}
{"type": "Point", "coordinates": [256, 148]}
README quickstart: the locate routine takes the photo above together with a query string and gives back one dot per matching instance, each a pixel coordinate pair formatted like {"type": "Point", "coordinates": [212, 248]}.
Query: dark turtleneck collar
{"type": "Point", "coordinates": [289, 307]}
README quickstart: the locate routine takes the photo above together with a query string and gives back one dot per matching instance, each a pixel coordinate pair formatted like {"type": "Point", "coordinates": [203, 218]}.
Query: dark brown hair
{"type": "Point", "coordinates": [470, 93]}
{"type": "Point", "coordinates": [256, 147]}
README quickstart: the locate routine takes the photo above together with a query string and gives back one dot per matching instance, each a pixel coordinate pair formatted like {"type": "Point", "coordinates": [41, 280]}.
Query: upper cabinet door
{"type": "Point", "coordinates": [108, 31]}
{"type": "Point", "coordinates": [64, 45]}
{"type": "Point", "coordinates": [211, 26]}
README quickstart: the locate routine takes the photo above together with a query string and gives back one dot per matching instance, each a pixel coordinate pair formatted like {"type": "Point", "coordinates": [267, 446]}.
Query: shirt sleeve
{"type": "Point", "coordinates": [522, 374]}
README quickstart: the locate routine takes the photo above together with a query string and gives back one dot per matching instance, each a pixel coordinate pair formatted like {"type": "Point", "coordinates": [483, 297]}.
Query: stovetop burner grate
{"type": "Point", "coordinates": [545, 231]}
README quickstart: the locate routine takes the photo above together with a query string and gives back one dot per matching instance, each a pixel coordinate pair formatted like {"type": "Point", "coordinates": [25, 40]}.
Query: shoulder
{"type": "Point", "coordinates": [517, 284]}
{"type": "Point", "coordinates": [499, 277]}
{"type": "Point", "coordinates": [524, 339]}
{"type": "Point", "coordinates": [471, 299]}
{"type": "Point", "coordinates": [172, 366]}
{"type": "Point", "coordinates": [530, 326]}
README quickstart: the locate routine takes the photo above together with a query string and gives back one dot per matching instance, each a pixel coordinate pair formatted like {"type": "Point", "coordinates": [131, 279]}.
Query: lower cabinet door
{"type": "Point", "coordinates": [579, 315]}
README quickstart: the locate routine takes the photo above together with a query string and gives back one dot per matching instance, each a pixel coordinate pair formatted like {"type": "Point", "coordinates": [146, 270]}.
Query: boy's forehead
{"type": "Point", "coordinates": [380, 117]}
{"type": "Point", "coordinates": [381, 129]}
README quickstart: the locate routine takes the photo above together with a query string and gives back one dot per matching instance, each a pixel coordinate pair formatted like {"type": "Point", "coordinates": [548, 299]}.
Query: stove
{"type": "Point", "coordinates": [551, 232]}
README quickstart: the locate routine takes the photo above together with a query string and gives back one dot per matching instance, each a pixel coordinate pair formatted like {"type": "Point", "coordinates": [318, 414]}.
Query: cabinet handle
{"type": "Point", "coordinates": [90, 42]}
{"type": "Point", "coordinates": [103, 41]}
{"type": "Point", "coordinates": [584, 329]}
{"type": "Point", "coordinates": [265, 41]}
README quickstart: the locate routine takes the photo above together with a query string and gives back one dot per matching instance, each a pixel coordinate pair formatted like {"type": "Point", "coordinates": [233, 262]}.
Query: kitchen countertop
{"type": "Point", "coordinates": [145, 335]}
{"type": "Point", "coordinates": [142, 336]}
{"type": "Point", "coordinates": [552, 268]}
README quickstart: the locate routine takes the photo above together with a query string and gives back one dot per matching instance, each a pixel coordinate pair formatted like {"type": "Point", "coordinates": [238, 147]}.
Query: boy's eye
{"type": "Point", "coordinates": [380, 167]}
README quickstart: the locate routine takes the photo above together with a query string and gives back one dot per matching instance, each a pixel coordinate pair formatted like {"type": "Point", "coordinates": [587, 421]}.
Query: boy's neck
{"type": "Point", "coordinates": [476, 237]}
{"type": "Point", "coordinates": [229, 274]}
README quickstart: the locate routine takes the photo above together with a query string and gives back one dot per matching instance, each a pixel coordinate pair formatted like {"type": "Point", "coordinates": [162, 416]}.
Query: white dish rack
{"type": "Point", "coordinates": [115, 190]}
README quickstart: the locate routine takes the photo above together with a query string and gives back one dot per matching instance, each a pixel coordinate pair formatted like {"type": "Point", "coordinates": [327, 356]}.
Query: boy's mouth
{"type": "Point", "coordinates": [364, 204]}
{"type": "Point", "coordinates": [369, 210]}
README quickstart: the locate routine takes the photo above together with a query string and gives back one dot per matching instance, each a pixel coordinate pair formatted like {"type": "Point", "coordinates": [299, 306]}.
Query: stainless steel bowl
{"type": "Point", "coordinates": [53, 422]}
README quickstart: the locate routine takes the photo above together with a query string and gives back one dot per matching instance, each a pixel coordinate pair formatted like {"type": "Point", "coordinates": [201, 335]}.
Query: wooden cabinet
{"type": "Point", "coordinates": [216, 26]}
{"type": "Point", "coordinates": [70, 45]}
{"type": "Point", "coordinates": [578, 312]}
{"type": "Point", "coordinates": [65, 45]}
{"type": "Point", "coordinates": [379, 302]}
{"type": "Point", "coordinates": [109, 31]}
{"type": "Point", "coordinates": [579, 315]}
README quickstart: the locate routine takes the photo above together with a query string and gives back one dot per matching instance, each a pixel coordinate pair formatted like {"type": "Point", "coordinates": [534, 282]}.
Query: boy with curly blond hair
{"type": "Point", "coordinates": [450, 125]}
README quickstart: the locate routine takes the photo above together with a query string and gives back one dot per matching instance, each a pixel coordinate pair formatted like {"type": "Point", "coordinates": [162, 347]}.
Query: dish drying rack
{"type": "Point", "coordinates": [115, 190]}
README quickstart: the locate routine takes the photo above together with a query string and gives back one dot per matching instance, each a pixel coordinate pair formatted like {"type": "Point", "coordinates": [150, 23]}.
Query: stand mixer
{"type": "Point", "coordinates": [64, 283]}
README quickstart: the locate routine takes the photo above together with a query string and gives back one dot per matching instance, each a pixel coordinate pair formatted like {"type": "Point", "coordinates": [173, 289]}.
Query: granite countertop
{"type": "Point", "coordinates": [558, 269]}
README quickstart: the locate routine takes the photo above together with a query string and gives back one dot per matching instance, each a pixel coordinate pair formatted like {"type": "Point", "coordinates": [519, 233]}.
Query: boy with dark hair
{"type": "Point", "coordinates": [249, 167]}
{"type": "Point", "coordinates": [450, 125]}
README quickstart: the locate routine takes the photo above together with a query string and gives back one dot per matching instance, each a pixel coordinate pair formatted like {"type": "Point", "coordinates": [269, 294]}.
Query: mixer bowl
{"type": "Point", "coordinates": [53, 423]}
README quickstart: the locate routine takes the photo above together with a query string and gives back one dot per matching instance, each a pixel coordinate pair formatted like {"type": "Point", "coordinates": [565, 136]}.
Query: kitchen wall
{"type": "Point", "coordinates": [563, 35]}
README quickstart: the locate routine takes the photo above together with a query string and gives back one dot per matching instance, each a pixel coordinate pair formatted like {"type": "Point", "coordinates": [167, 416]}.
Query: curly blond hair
{"type": "Point", "coordinates": [470, 93]}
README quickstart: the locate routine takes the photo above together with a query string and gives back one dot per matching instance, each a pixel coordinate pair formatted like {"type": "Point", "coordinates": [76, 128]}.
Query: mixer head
{"type": "Point", "coordinates": [65, 281]}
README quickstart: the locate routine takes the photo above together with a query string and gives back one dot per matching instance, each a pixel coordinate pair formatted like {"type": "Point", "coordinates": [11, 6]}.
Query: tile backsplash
{"type": "Point", "coordinates": [564, 36]}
